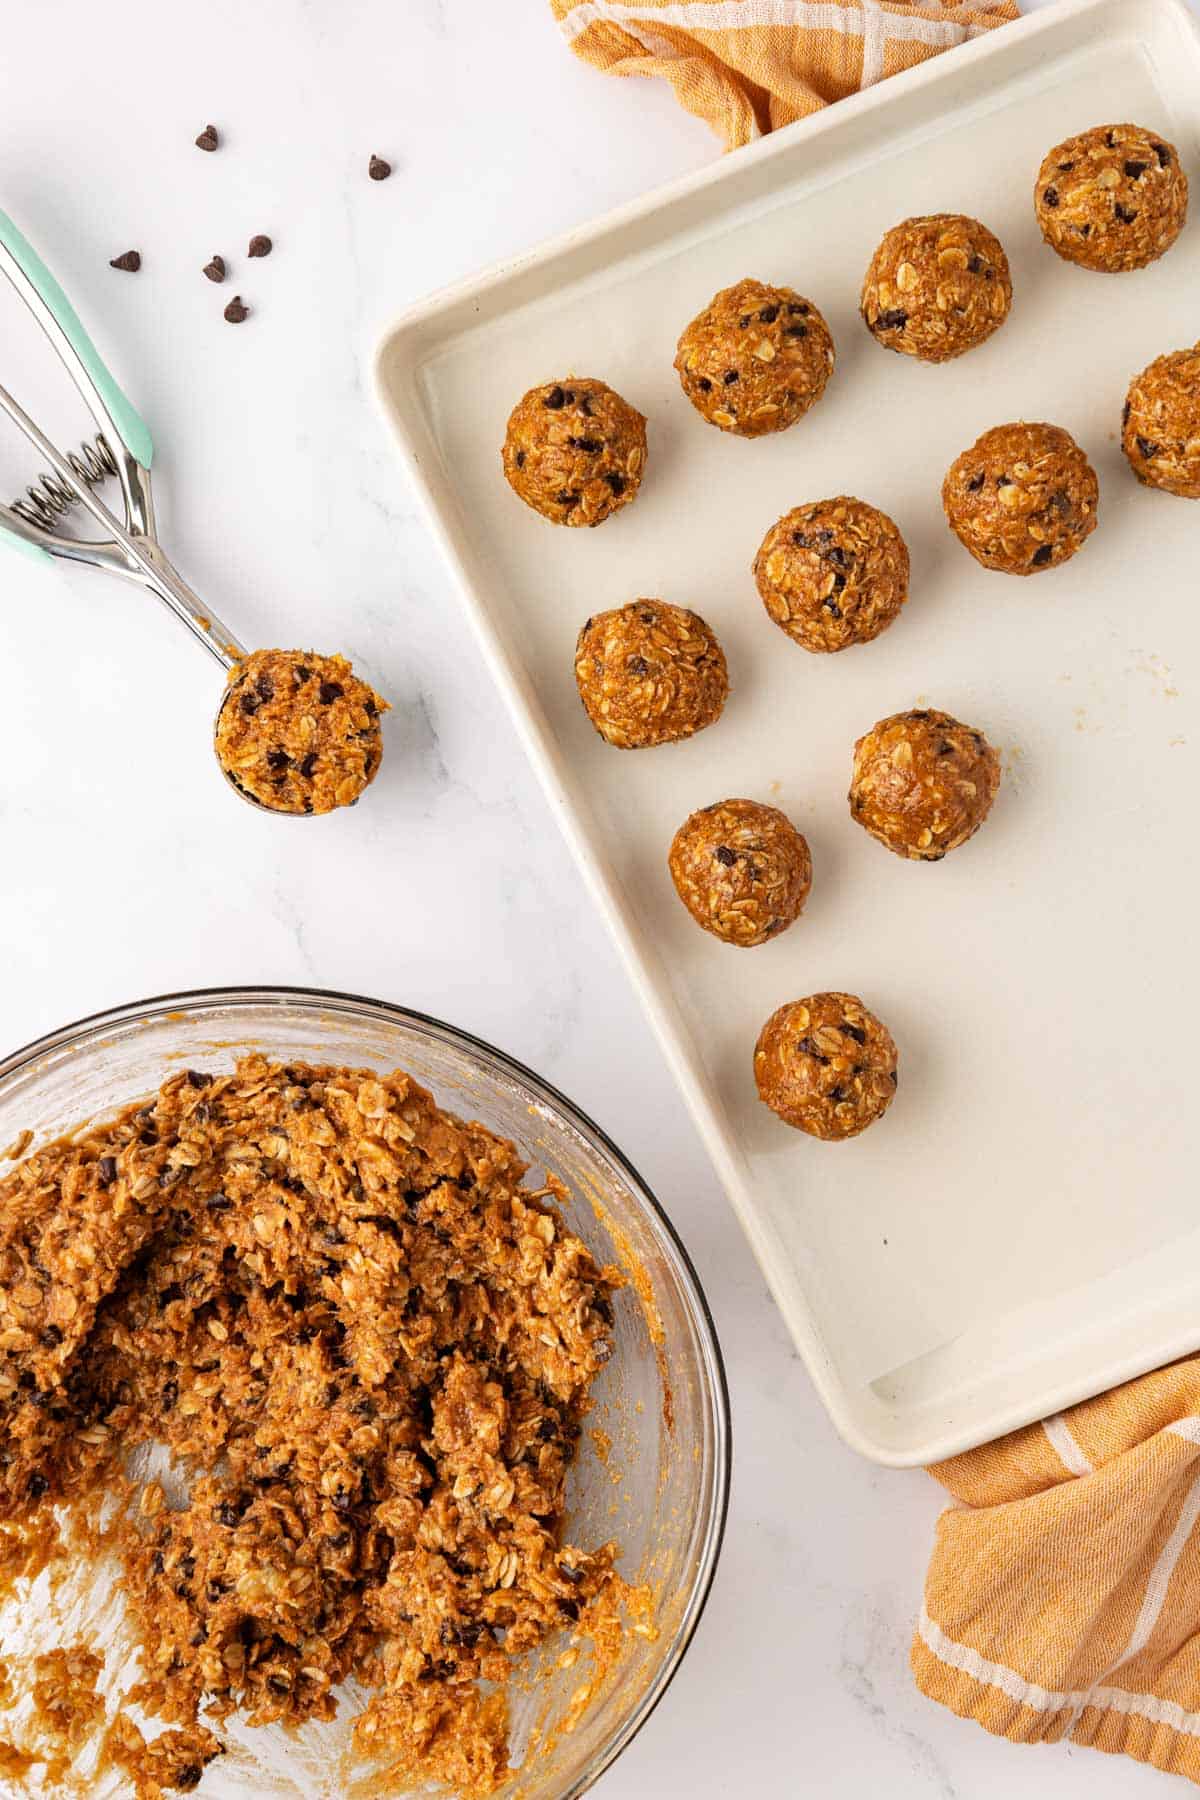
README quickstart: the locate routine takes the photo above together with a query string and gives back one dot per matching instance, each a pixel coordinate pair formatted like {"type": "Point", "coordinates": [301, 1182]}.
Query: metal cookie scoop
{"type": "Point", "coordinates": [123, 449]}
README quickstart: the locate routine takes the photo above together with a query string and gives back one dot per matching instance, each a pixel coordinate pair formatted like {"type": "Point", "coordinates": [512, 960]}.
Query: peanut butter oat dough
{"type": "Point", "coordinates": [755, 359]}
{"type": "Point", "coordinates": [922, 783]}
{"type": "Point", "coordinates": [1022, 499]}
{"type": "Point", "coordinates": [1161, 424]}
{"type": "Point", "coordinates": [826, 1065]}
{"type": "Point", "coordinates": [299, 732]}
{"type": "Point", "coordinates": [370, 1349]}
{"type": "Point", "coordinates": [574, 451]}
{"type": "Point", "coordinates": [936, 287]}
{"type": "Point", "coordinates": [1111, 199]}
{"type": "Point", "coordinates": [649, 673]}
{"type": "Point", "coordinates": [833, 573]}
{"type": "Point", "coordinates": [742, 870]}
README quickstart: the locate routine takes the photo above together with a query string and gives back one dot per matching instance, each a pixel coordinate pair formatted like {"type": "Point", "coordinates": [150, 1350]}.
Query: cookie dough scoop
{"type": "Point", "coordinates": [285, 744]}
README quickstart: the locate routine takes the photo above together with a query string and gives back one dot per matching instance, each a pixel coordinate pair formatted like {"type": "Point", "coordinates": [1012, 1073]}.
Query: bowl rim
{"type": "Point", "coordinates": [193, 1000]}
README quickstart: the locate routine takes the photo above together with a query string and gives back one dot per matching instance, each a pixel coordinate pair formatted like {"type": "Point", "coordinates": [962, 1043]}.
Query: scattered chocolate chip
{"type": "Point", "coordinates": [798, 309]}
{"type": "Point", "coordinates": [227, 1514]}
{"type": "Point", "coordinates": [854, 1031]}
{"type": "Point", "coordinates": [50, 1337]}
{"type": "Point", "coordinates": [265, 688]}
{"type": "Point", "coordinates": [945, 749]}
{"type": "Point", "coordinates": [130, 261]}
{"type": "Point", "coordinates": [585, 407]}
{"type": "Point", "coordinates": [591, 445]}
{"type": "Point", "coordinates": [704, 384]}
{"type": "Point", "coordinates": [837, 1092]}
{"type": "Point", "coordinates": [975, 483]}
{"type": "Point", "coordinates": [1085, 230]}
{"type": "Point", "coordinates": [1125, 412]}
{"type": "Point", "coordinates": [303, 673]}
{"type": "Point", "coordinates": [1147, 449]}
{"type": "Point", "coordinates": [730, 376]}
{"type": "Point", "coordinates": [1111, 140]}
{"type": "Point", "coordinates": [1050, 198]}
{"type": "Point", "coordinates": [196, 1078]}
{"type": "Point", "coordinates": [1126, 214]}
{"type": "Point", "coordinates": [570, 1574]}
{"type": "Point", "coordinates": [106, 1170]}
{"type": "Point", "coordinates": [832, 608]}
{"type": "Point", "coordinates": [279, 760]}
{"type": "Point", "coordinates": [837, 556]}
{"type": "Point", "coordinates": [570, 396]}
{"type": "Point", "coordinates": [189, 1776]}
{"type": "Point", "coordinates": [806, 1047]}
{"type": "Point", "coordinates": [519, 459]}
{"type": "Point", "coordinates": [1042, 555]}
{"type": "Point", "coordinates": [208, 139]}
{"type": "Point", "coordinates": [800, 539]}
{"type": "Point", "coordinates": [615, 481]}
{"type": "Point", "coordinates": [260, 245]}
{"type": "Point", "coordinates": [1135, 170]}
{"type": "Point", "coordinates": [768, 315]}
{"type": "Point", "coordinates": [565, 497]}
{"type": "Point", "coordinates": [795, 331]}
{"type": "Point", "coordinates": [37, 1486]}
{"type": "Point", "coordinates": [378, 170]}
{"type": "Point", "coordinates": [893, 320]}
{"type": "Point", "coordinates": [237, 310]}
{"type": "Point", "coordinates": [839, 582]}
{"type": "Point", "coordinates": [329, 692]}
{"type": "Point", "coordinates": [555, 399]}
{"type": "Point", "coordinates": [725, 856]}
{"type": "Point", "coordinates": [215, 270]}
{"type": "Point", "coordinates": [744, 320]}
{"type": "Point", "coordinates": [1065, 168]}
{"type": "Point", "coordinates": [637, 665]}
{"type": "Point", "coordinates": [975, 266]}
{"type": "Point", "coordinates": [1163, 155]}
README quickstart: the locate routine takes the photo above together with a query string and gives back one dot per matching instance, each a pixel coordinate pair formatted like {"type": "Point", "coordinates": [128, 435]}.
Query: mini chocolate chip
{"type": "Point", "coordinates": [237, 310]}
{"type": "Point", "coordinates": [106, 1170]}
{"type": "Point", "coordinates": [570, 396]}
{"type": "Point", "coordinates": [806, 1047]}
{"type": "Point", "coordinates": [730, 376]}
{"type": "Point", "coordinates": [1126, 214]}
{"type": "Point", "coordinates": [278, 760]}
{"type": "Point", "coordinates": [1085, 231]}
{"type": "Point", "coordinates": [1050, 198]}
{"type": "Point", "coordinates": [839, 582]}
{"type": "Point", "coordinates": [260, 245]}
{"type": "Point", "coordinates": [555, 399]}
{"type": "Point", "coordinates": [1163, 155]}
{"type": "Point", "coordinates": [800, 539]}
{"type": "Point", "coordinates": [637, 665]}
{"type": "Point", "coordinates": [591, 445]}
{"type": "Point", "coordinates": [945, 749]}
{"type": "Point", "coordinates": [795, 331]}
{"type": "Point", "coordinates": [196, 1078]}
{"type": "Point", "coordinates": [744, 320]}
{"type": "Point", "coordinates": [585, 406]}
{"type": "Point", "coordinates": [837, 556]}
{"type": "Point", "coordinates": [975, 266]}
{"type": "Point", "coordinates": [921, 712]}
{"type": "Point", "coordinates": [768, 315]}
{"type": "Point", "coordinates": [1065, 168]}
{"type": "Point", "coordinates": [894, 320]}
{"type": "Point", "coordinates": [1147, 449]}
{"type": "Point", "coordinates": [832, 608]}
{"type": "Point", "coordinates": [519, 459]}
{"type": "Point", "coordinates": [378, 169]}
{"type": "Point", "coordinates": [1135, 170]}
{"type": "Point", "coordinates": [837, 1092]}
{"type": "Point", "coordinates": [615, 481]}
{"type": "Point", "coordinates": [1125, 412]}
{"type": "Point", "coordinates": [565, 497]}
{"type": "Point", "coordinates": [189, 1776]}
{"type": "Point", "coordinates": [208, 139]}
{"type": "Point", "coordinates": [725, 856]}
{"type": "Point", "coordinates": [50, 1337]}
{"type": "Point", "coordinates": [854, 1031]}
{"type": "Point", "coordinates": [37, 1486]}
{"type": "Point", "coordinates": [895, 1077]}
{"type": "Point", "coordinates": [1042, 555]}
{"type": "Point", "coordinates": [1111, 140]}
{"type": "Point", "coordinates": [130, 261]}
{"type": "Point", "coordinates": [265, 688]}
{"type": "Point", "coordinates": [975, 483]}
{"type": "Point", "coordinates": [798, 309]}
{"type": "Point", "coordinates": [570, 1574]}
{"type": "Point", "coordinates": [704, 384]}
{"type": "Point", "coordinates": [215, 270]}
{"type": "Point", "coordinates": [330, 691]}
{"type": "Point", "coordinates": [647, 618]}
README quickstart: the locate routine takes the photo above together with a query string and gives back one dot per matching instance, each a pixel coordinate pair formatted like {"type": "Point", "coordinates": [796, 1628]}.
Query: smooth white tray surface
{"type": "Point", "coordinates": [1021, 1228]}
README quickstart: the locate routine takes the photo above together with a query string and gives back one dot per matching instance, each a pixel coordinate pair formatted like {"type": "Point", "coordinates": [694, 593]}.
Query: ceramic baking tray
{"type": "Point", "coordinates": [1022, 1228]}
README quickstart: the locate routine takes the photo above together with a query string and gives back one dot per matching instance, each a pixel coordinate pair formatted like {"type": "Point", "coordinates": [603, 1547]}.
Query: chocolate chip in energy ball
{"type": "Point", "coordinates": [130, 261]}
{"type": "Point", "coordinates": [378, 169]}
{"type": "Point", "coordinates": [215, 270]}
{"type": "Point", "coordinates": [260, 245]}
{"type": "Point", "coordinates": [208, 139]}
{"type": "Point", "coordinates": [237, 310]}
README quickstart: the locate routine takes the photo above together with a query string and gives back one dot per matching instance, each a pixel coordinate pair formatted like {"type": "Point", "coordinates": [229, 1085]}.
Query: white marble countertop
{"type": "Point", "coordinates": [128, 868]}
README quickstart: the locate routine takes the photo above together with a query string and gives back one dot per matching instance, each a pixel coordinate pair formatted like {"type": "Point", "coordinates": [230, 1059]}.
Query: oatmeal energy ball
{"type": "Point", "coordinates": [1111, 199]}
{"type": "Point", "coordinates": [649, 673]}
{"type": "Point", "coordinates": [755, 359]}
{"type": "Point", "coordinates": [1161, 425]}
{"type": "Point", "coordinates": [936, 286]}
{"type": "Point", "coordinates": [833, 573]}
{"type": "Point", "coordinates": [922, 783]}
{"type": "Point", "coordinates": [574, 451]}
{"type": "Point", "coordinates": [742, 870]}
{"type": "Point", "coordinates": [1022, 499]}
{"type": "Point", "coordinates": [299, 732]}
{"type": "Point", "coordinates": [826, 1065]}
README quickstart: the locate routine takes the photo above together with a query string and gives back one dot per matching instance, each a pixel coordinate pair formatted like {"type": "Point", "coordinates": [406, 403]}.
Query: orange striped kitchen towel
{"type": "Point", "coordinates": [1063, 1599]}
{"type": "Point", "coordinates": [747, 66]}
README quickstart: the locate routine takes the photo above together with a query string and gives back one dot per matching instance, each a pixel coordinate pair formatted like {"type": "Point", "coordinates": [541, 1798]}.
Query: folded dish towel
{"type": "Point", "coordinates": [1063, 1599]}
{"type": "Point", "coordinates": [747, 66]}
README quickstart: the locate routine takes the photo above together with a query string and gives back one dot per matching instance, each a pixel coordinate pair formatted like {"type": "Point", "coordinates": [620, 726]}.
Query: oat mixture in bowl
{"type": "Point", "coordinates": [414, 1459]}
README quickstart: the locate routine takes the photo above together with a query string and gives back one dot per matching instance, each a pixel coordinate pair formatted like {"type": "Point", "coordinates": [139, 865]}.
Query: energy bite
{"type": "Point", "coordinates": [742, 870]}
{"type": "Point", "coordinates": [923, 783]}
{"type": "Point", "coordinates": [299, 732]}
{"type": "Point", "coordinates": [574, 451]}
{"type": "Point", "coordinates": [1161, 424]}
{"type": "Point", "coordinates": [936, 287]}
{"type": "Point", "coordinates": [833, 573]}
{"type": "Point", "coordinates": [826, 1065]}
{"type": "Point", "coordinates": [1022, 499]}
{"type": "Point", "coordinates": [755, 359]}
{"type": "Point", "coordinates": [650, 673]}
{"type": "Point", "coordinates": [1111, 199]}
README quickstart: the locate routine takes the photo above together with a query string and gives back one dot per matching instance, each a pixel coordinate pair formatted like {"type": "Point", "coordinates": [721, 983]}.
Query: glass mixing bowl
{"type": "Point", "coordinates": [659, 1487]}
